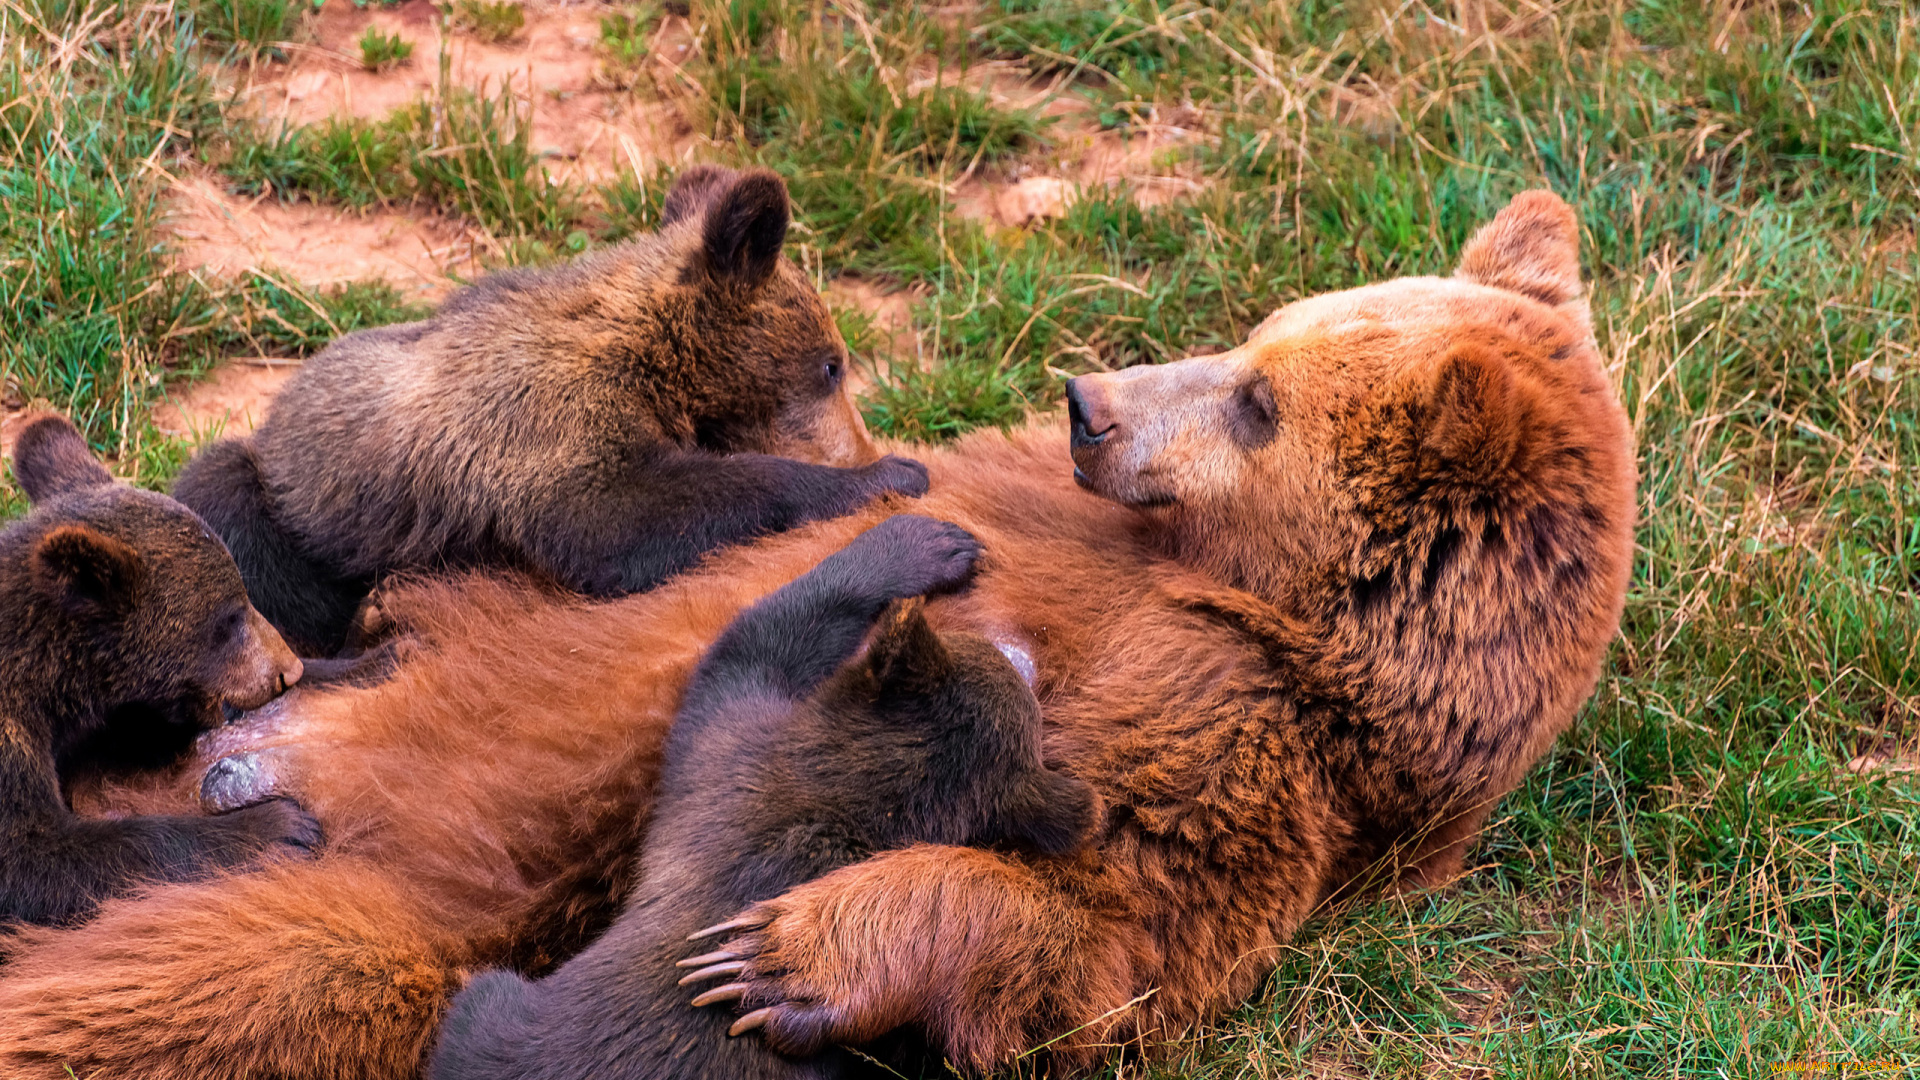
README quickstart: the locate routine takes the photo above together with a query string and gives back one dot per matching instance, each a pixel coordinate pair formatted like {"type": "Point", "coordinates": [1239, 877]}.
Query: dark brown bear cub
{"type": "Point", "coordinates": [123, 631]}
{"type": "Point", "coordinates": [786, 761]}
{"type": "Point", "coordinates": [603, 424]}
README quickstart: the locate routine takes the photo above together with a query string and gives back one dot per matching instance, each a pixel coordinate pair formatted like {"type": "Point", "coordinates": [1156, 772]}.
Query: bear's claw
{"type": "Point", "coordinates": [744, 922]}
{"type": "Point", "coordinates": [729, 992]}
{"type": "Point", "coordinates": [750, 1021]}
{"type": "Point", "coordinates": [708, 958]}
{"type": "Point", "coordinates": [732, 967]}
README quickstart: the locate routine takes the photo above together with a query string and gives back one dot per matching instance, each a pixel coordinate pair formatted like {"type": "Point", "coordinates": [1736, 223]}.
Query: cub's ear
{"type": "Point", "coordinates": [51, 458]}
{"type": "Point", "coordinates": [1055, 813]}
{"type": "Point", "coordinates": [88, 573]}
{"type": "Point", "coordinates": [905, 652]}
{"type": "Point", "coordinates": [693, 189]}
{"type": "Point", "coordinates": [1531, 247]}
{"type": "Point", "coordinates": [745, 228]}
{"type": "Point", "coordinates": [1455, 426]}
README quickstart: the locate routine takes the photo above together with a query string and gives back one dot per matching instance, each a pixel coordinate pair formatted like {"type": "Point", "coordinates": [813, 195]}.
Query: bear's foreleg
{"type": "Point", "coordinates": [614, 536]}
{"type": "Point", "coordinates": [793, 640]}
{"type": "Point", "coordinates": [311, 606]}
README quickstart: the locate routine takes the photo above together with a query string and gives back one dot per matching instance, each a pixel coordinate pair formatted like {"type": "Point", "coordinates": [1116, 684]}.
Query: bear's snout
{"type": "Point", "coordinates": [1088, 412]}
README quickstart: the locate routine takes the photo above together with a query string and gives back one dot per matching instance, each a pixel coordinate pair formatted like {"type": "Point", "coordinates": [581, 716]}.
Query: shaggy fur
{"type": "Point", "coordinates": [604, 423]}
{"type": "Point", "coordinates": [1300, 644]}
{"type": "Point", "coordinates": [787, 760]}
{"type": "Point", "coordinates": [123, 630]}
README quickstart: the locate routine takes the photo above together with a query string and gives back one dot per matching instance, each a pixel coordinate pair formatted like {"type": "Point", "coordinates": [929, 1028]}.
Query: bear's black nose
{"type": "Point", "coordinates": [1086, 414]}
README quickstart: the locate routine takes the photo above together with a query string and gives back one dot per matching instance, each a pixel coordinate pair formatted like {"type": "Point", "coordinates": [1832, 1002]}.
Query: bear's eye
{"type": "Point", "coordinates": [1252, 415]}
{"type": "Point", "coordinates": [832, 370]}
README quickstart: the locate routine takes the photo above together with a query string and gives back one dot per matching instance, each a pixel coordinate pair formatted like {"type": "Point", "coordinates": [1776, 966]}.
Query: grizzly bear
{"type": "Point", "coordinates": [123, 630]}
{"type": "Point", "coordinates": [1312, 607]}
{"type": "Point", "coordinates": [787, 760]}
{"type": "Point", "coordinates": [604, 424]}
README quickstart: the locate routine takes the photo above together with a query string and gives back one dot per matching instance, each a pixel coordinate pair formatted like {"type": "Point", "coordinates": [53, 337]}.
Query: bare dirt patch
{"type": "Point", "coordinates": [589, 130]}
{"type": "Point", "coordinates": [889, 309]}
{"type": "Point", "coordinates": [12, 419]}
{"type": "Point", "coordinates": [232, 400]}
{"type": "Point", "coordinates": [224, 235]}
{"type": "Point", "coordinates": [1151, 162]}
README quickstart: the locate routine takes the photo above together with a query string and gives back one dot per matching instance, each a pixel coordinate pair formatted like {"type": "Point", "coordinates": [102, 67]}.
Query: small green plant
{"type": "Point", "coordinates": [248, 24]}
{"type": "Point", "coordinates": [624, 37]}
{"type": "Point", "coordinates": [379, 51]}
{"type": "Point", "coordinates": [489, 20]}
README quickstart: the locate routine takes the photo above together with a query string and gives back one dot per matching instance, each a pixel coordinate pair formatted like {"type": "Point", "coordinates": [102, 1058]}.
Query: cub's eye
{"type": "Point", "coordinates": [1252, 415]}
{"type": "Point", "coordinates": [832, 370]}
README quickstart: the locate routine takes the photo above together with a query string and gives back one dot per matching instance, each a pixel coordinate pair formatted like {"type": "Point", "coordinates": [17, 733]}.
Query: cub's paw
{"type": "Point", "coordinates": [794, 1014]}
{"type": "Point", "coordinates": [278, 825]}
{"type": "Point", "coordinates": [895, 475]}
{"type": "Point", "coordinates": [911, 555]}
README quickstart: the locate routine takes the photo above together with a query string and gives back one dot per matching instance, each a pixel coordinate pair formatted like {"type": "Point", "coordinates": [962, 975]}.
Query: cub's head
{"type": "Point", "coordinates": [773, 366]}
{"type": "Point", "coordinates": [1448, 447]}
{"type": "Point", "coordinates": [137, 590]}
{"type": "Point", "coordinates": [959, 694]}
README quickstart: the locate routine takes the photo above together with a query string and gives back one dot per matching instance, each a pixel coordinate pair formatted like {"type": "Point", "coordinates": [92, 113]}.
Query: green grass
{"type": "Point", "coordinates": [1709, 874]}
{"type": "Point", "coordinates": [380, 51]}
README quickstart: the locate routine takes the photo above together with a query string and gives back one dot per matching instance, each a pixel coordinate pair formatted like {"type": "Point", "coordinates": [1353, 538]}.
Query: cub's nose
{"type": "Point", "coordinates": [1088, 412]}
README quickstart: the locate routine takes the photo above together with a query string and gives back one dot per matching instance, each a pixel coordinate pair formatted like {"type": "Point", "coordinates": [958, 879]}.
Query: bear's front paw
{"type": "Point", "coordinates": [795, 1014]}
{"type": "Point", "coordinates": [895, 475]}
{"type": "Point", "coordinates": [279, 824]}
{"type": "Point", "coordinates": [913, 555]}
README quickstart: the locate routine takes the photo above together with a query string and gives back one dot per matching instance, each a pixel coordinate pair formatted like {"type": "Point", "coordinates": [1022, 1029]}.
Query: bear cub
{"type": "Point", "coordinates": [602, 424]}
{"type": "Point", "coordinates": [788, 759]}
{"type": "Point", "coordinates": [124, 631]}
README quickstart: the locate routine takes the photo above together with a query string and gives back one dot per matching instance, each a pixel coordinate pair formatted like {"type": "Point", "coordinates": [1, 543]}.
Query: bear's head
{"type": "Point", "coordinates": [135, 591]}
{"type": "Point", "coordinates": [1431, 475]}
{"type": "Point", "coordinates": [772, 366]}
{"type": "Point", "coordinates": [957, 692]}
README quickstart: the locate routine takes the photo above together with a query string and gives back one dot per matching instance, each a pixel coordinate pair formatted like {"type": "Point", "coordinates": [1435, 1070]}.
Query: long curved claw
{"type": "Point", "coordinates": [708, 958]}
{"type": "Point", "coordinates": [754, 1019]}
{"type": "Point", "coordinates": [744, 922]}
{"type": "Point", "coordinates": [729, 992]}
{"type": "Point", "coordinates": [733, 967]}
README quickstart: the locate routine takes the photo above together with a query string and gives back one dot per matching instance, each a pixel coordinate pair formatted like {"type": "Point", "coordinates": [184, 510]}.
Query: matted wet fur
{"type": "Point", "coordinates": [1322, 601]}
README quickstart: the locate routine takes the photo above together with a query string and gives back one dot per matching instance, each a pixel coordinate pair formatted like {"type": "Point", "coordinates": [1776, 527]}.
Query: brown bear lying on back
{"type": "Point", "coordinates": [602, 424]}
{"type": "Point", "coordinates": [1321, 601]}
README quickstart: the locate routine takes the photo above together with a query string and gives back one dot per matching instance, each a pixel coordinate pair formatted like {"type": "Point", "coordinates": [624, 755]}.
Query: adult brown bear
{"type": "Point", "coordinates": [1323, 599]}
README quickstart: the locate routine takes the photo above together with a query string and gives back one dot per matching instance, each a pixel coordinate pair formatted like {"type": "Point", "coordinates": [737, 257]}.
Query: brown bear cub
{"type": "Point", "coordinates": [788, 759]}
{"type": "Point", "coordinates": [124, 629]}
{"type": "Point", "coordinates": [603, 424]}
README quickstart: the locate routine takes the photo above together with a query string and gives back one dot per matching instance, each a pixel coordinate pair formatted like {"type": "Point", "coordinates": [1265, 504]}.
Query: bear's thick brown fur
{"type": "Point", "coordinates": [1326, 598]}
{"type": "Point", "coordinates": [604, 423]}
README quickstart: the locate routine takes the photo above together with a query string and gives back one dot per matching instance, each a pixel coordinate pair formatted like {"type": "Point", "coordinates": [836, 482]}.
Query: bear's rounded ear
{"type": "Point", "coordinates": [51, 458]}
{"type": "Point", "coordinates": [905, 649]}
{"type": "Point", "coordinates": [693, 189]}
{"type": "Point", "coordinates": [1531, 247]}
{"type": "Point", "coordinates": [86, 572]}
{"type": "Point", "coordinates": [746, 226]}
{"type": "Point", "coordinates": [1450, 426]}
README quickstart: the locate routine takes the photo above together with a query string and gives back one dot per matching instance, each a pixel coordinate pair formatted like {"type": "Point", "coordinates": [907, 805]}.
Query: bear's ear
{"type": "Point", "coordinates": [1452, 426]}
{"type": "Point", "coordinates": [693, 189]}
{"type": "Point", "coordinates": [87, 572]}
{"type": "Point", "coordinates": [1055, 813]}
{"type": "Point", "coordinates": [51, 458]}
{"type": "Point", "coordinates": [905, 652]}
{"type": "Point", "coordinates": [1531, 247]}
{"type": "Point", "coordinates": [746, 226]}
